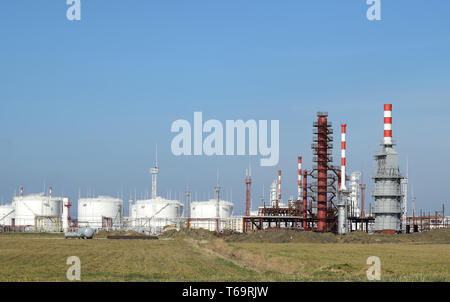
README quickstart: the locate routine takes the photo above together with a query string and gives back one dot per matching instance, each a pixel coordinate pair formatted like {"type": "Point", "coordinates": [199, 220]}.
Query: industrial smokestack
{"type": "Point", "coordinates": [387, 194]}
{"type": "Point", "coordinates": [363, 198]}
{"type": "Point", "coordinates": [299, 178]}
{"type": "Point", "coordinates": [248, 182]}
{"type": "Point", "coordinates": [50, 191]}
{"type": "Point", "coordinates": [279, 185]}
{"type": "Point", "coordinates": [343, 156]}
{"type": "Point", "coordinates": [305, 197]}
{"type": "Point", "coordinates": [21, 191]}
{"type": "Point", "coordinates": [388, 125]}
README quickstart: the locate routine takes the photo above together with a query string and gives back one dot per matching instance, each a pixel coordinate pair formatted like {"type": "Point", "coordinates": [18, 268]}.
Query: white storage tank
{"type": "Point", "coordinates": [46, 211]}
{"type": "Point", "coordinates": [208, 209]}
{"type": "Point", "coordinates": [100, 212]}
{"type": "Point", "coordinates": [7, 214]}
{"type": "Point", "coordinates": [155, 214]}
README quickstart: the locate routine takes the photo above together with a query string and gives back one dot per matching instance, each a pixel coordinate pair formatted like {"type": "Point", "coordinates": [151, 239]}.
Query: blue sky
{"type": "Point", "coordinates": [83, 103]}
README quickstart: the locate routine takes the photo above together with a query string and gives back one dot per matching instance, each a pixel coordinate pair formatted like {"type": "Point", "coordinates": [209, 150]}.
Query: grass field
{"type": "Point", "coordinates": [38, 257]}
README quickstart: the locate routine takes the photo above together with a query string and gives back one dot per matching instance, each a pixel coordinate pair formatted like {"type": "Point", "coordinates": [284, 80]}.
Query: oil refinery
{"type": "Point", "coordinates": [329, 199]}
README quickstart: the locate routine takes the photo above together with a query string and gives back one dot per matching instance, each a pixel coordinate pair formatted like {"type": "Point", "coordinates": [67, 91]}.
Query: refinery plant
{"type": "Point", "coordinates": [329, 199]}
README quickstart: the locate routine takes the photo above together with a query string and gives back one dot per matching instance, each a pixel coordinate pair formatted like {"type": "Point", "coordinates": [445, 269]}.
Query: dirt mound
{"type": "Point", "coordinates": [357, 237]}
{"type": "Point", "coordinates": [438, 236]}
{"type": "Point", "coordinates": [104, 234]}
{"type": "Point", "coordinates": [197, 234]}
{"type": "Point", "coordinates": [283, 236]}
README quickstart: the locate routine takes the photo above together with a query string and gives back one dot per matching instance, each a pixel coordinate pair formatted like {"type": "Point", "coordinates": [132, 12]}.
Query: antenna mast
{"type": "Point", "coordinates": [154, 171]}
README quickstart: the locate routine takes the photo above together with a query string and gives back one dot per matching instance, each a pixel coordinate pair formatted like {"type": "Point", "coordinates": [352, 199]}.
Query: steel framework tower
{"type": "Point", "coordinates": [322, 149]}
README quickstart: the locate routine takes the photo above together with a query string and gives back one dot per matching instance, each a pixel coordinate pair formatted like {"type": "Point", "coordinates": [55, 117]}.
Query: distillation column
{"type": "Point", "coordinates": [387, 194]}
{"type": "Point", "coordinates": [322, 151]}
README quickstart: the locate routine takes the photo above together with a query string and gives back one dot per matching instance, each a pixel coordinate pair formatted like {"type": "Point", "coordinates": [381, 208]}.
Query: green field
{"type": "Point", "coordinates": [42, 257]}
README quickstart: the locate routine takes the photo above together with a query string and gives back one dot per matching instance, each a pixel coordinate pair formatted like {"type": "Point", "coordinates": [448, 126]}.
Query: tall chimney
{"type": "Point", "coordinates": [388, 125]}
{"type": "Point", "coordinates": [299, 198]}
{"type": "Point", "coordinates": [343, 156]}
{"type": "Point", "coordinates": [279, 185]}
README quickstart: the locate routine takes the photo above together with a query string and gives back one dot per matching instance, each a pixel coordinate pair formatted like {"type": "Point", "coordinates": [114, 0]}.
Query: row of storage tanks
{"type": "Point", "coordinates": [160, 213]}
{"type": "Point", "coordinates": [45, 213]}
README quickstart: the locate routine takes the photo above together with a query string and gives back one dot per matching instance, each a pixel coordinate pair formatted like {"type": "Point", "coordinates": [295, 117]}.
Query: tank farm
{"type": "Point", "coordinates": [329, 199]}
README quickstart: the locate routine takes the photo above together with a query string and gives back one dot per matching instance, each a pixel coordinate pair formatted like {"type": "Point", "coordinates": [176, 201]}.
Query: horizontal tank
{"type": "Point", "coordinates": [206, 211]}
{"type": "Point", "coordinates": [7, 214]}
{"type": "Point", "coordinates": [100, 212]}
{"type": "Point", "coordinates": [38, 208]}
{"type": "Point", "coordinates": [156, 213]}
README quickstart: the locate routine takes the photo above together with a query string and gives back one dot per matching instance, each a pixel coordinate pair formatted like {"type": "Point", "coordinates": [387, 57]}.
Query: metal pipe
{"type": "Point", "coordinates": [363, 198]}
{"type": "Point", "coordinates": [305, 197]}
{"type": "Point", "coordinates": [248, 182]}
{"type": "Point", "coordinates": [188, 203]}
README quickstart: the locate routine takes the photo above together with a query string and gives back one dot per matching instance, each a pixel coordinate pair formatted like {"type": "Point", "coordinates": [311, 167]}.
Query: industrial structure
{"type": "Point", "coordinates": [7, 215]}
{"type": "Point", "coordinates": [316, 206]}
{"type": "Point", "coordinates": [324, 202]}
{"type": "Point", "coordinates": [34, 212]}
{"type": "Point", "coordinates": [202, 211]}
{"type": "Point", "coordinates": [102, 212]}
{"type": "Point", "coordinates": [155, 214]}
{"type": "Point", "coordinates": [387, 194]}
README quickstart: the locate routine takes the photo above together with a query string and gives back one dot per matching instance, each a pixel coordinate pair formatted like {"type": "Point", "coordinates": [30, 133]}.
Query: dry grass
{"type": "Point", "coordinates": [347, 262]}
{"type": "Point", "coordinates": [24, 258]}
{"type": "Point", "coordinates": [203, 257]}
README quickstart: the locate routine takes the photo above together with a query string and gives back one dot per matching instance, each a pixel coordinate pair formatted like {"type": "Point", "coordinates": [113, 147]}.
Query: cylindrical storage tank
{"type": "Point", "coordinates": [43, 213]}
{"type": "Point", "coordinates": [132, 215]}
{"type": "Point", "coordinates": [155, 214]}
{"type": "Point", "coordinates": [100, 212]}
{"type": "Point", "coordinates": [7, 215]}
{"type": "Point", "coordinates": [65, 215]}
{"type": "Point", "coordinates": [205, 211]}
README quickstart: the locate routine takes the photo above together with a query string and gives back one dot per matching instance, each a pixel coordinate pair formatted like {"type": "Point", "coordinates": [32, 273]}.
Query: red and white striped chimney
{"type": "Point", "coordinates": [388, 124]}
{"type": "Point", "coordinates": [343, 155]}
{"type": "Point", "coordinates": [299, 178]}
{"type": "Point", "coordinates": [279, 185]}
{"type": "Point", "coordinates": [21, 191]}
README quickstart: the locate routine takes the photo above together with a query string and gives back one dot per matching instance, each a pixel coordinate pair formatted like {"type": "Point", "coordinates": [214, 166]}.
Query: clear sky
{"type": "Point", "coordinates": [83, 103]}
